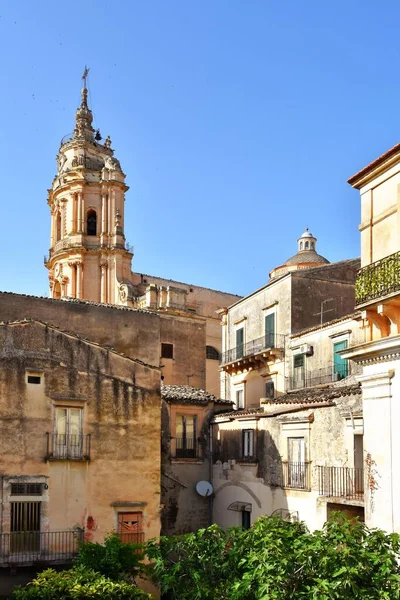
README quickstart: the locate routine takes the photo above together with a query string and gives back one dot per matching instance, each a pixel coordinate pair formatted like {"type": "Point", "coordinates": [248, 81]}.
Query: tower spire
{"type": "Point", "coordinates": [84, 117]}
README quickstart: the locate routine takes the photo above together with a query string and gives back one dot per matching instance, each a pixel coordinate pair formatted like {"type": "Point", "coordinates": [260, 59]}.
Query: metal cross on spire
{"type": "Point", "coordinates": [84, 76]}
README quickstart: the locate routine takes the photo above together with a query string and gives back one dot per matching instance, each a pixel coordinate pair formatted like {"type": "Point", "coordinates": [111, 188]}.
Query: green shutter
{"type": "Point", "coordinates": [270, 330]}
{"type": "Point", "coordinates": [340, 365]}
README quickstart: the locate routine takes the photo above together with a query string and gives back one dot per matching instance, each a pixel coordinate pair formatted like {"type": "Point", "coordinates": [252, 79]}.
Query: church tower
{"type": "Point", "coordinates": [88, 258]}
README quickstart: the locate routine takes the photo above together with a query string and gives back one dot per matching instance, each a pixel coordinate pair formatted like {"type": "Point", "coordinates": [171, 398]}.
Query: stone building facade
{"type": "Point", "coordinates": [378, 355]}
{"type": "Point", "coordinates": [290, 445]}
{"type": "Point", "coordinates": [89, 258]}
{"type": "Point", "coordinates": [186, 456]}
{"type": "Point", "coordinates": [80, 428]}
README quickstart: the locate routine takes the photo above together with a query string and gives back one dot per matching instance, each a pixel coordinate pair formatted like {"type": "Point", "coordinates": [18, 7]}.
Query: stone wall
{"type": "Point", "coordinates": [119, 400]}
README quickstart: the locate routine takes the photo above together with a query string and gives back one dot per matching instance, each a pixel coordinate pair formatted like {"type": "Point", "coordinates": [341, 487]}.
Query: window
{"type": "Point", "coordinates": [185, 436]}
{"type": "Point", "coordinates": [34, 379]}
{"type": "Point", "coordinates": [340, 365]}
{"type": "Point", "coordinates": [297, 467]}
{"type": "Point", "coordinates": [248, 443]}
{"type": "Point", "coordinates": [270, 330]}
{"type": "Point", "coordinates": [270, 390]}
{"type": "Point", "coordinates": [212, 353]}
{"type": "Point", "coordinates": [301, 245]}
{"type": "Point", "coordinates": [299, 379]}
{"type": "Point", "coordinates": [91, 223]}
{"type": "Point", "coordinates": [239, 342]}
{"type": "Point", "coordinates": [68, 438]}
{"type": "Point", "coordinates": [167, 350]}
{"type": "Point", "coordinates": [239, 399]}
{"type": "Point", "coordinates": [307, 245]}
{"type": "Point", "coordinates": [130, 527]}
{"type": "Point", "coordinates": [58, 226]}
{"type": "Point", "coordinates": [26, 489]}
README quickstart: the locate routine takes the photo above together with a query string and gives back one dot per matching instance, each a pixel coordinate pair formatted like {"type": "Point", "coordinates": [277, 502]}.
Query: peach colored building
{"type": "Point", "coordinates": [89, 257]}
{"type": "Point", "coordinates": [80, 428]}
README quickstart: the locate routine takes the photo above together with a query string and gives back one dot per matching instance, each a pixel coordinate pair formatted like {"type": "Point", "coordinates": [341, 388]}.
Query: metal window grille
{"type": "Point", "coordinates": [26, 489]}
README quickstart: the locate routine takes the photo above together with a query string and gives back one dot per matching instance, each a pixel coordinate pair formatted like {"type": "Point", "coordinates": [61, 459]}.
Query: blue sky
{"type": "Point", "coordinates": [237, 123]}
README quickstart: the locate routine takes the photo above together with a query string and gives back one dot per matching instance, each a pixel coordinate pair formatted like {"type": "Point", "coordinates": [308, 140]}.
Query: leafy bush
{"type": "Point", "coordinates": [77, 584]}
{"type": "Point", "coordinates": [277, 560]}
{"type": "Point", "coordinates": [113, 558]}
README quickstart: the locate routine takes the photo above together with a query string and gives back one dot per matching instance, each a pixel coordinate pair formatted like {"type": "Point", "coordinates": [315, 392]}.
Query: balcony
{"type": "Point", "coordinates": [341, 482]}
{"type": "Point", "coordinates": [378, 280]}
{"type": "Point", "coordinates": [61, 446]}
{"type": "Point", "coordinates": [255, 353]}
{"type": "Point", "coordinates": [296, 475]}
{"type": "Point", "coordinates": [185, 448]}
{"type": "Point", "coordinates": [31, 547]}
{"type": "Point", "coordinates": [303, 378]}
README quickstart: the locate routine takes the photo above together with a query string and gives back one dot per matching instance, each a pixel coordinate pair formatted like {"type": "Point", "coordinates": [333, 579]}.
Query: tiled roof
{"type": "Point", "coordinates": [320, 394]}
{"type": "Point", "coordinates": [186, 394]}
{"type": "Point", "coordinates": [242, 412]}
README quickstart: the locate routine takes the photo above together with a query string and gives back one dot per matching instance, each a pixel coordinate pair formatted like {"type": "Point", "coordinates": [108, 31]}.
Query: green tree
{"type": "Point", "coordinates": [276, 560]}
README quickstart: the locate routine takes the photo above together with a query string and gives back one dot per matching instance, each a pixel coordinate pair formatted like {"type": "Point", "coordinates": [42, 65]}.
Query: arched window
{"type": "Point", "coordinates": [301, 245]}
{"type": "Point", "coordinates": [58, 226]}
{"type": "Point", "coordinates": [312, 245]}
{"type": "Point", "coordinates": [212, 353]}
{"type": "Point", "coordinates": [91, 223]}
{"type": "Point", "coordinates": [307, 245]}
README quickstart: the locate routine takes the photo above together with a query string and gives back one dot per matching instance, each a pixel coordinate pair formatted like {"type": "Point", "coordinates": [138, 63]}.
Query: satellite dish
{"type": "Point", "coordinates": [204, 488]}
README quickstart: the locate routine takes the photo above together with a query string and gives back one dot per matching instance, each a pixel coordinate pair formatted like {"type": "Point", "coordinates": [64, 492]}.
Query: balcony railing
{"type": "Point", "coordinates": [61, 446]}
{"type": "Point", "coordinates": [341, 482]}
{"type": "Point", "coordinates": [30, 547]}
{"type": "Point", "coordinates": [266, 342]}
{"type": "Point", "coordinates": [378, 280]}
{"type": "Point", "coordinates": [185, 447]}
{"type": "Point", "coordinates": [302, 378]}
{"type": "Point", "coordinates": [296, 475]}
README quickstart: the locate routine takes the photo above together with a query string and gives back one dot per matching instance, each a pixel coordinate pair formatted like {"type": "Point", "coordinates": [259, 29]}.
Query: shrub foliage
{"type": "Point", "coordinates": [277, 560]}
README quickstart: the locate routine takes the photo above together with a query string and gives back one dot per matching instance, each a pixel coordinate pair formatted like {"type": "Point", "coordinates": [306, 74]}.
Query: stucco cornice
{"type": "Point", "coordinates": [377, 351]}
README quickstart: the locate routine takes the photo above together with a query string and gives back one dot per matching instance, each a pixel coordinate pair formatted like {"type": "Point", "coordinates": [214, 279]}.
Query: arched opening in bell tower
{"type": "Point", "coordinates": [58, 226]}
{"type": "Point", "coordinates": [91, 223]}
{"type": "Point", "coordinates": [57, 290]}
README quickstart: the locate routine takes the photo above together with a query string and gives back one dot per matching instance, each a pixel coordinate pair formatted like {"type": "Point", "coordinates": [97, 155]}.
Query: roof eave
{"type": "Point", "coordinates": [375, 168]}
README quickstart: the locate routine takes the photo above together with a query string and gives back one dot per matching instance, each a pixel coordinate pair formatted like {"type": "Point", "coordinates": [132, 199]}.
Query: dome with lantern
{"type": "Point", "coordinates": [306, 256]}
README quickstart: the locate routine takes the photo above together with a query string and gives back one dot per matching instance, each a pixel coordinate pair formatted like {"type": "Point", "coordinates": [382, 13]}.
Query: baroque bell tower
{"type": "Point", "coordinates": [88, 258]}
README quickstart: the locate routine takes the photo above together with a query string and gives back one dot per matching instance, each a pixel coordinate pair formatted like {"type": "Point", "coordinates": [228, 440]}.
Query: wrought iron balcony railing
{"type": "Point", "coordinates": [185, 447]}
{"type": "Point", "coordinates": [266, 342]}
{"type": "Point", "coordinates": [30, 547]}
{"type": "Point", "coordinates": [341, 482]}
{"type": "Point", "coordinates": [302, 378]}
{"type": "Point", "coordinates": [61, 446]}
{"type": "Point", "coordinates": [378, 280]}
{"type": "Point", "coordinates": [296, 475]}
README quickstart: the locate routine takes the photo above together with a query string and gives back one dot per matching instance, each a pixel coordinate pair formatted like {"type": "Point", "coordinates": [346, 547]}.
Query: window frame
{"type": "Point", "coordinates": [212, 353]}
{"type": "Point", "coordinates": [184, 451]}
{"type": "Point", "coordinates": [248, 438]}
{"type": "Point", "coordinates": [164, 346]}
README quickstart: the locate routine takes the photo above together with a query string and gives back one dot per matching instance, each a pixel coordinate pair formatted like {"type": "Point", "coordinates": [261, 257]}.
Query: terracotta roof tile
{"type": "Point", "coordinates": [186, 394]}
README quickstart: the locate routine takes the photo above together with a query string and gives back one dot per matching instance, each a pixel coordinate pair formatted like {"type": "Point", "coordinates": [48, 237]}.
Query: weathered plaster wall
{"type": "Point", "coordinates": [329, 441]}
{"type": "Point", "coordinates": [120, 399]}
{"type": "Point", "coordinates": [134, 333]}
{"type": "Point", "coordinates": [183, 509]}
{"type": "Point", "coordinates": [312, 286]}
